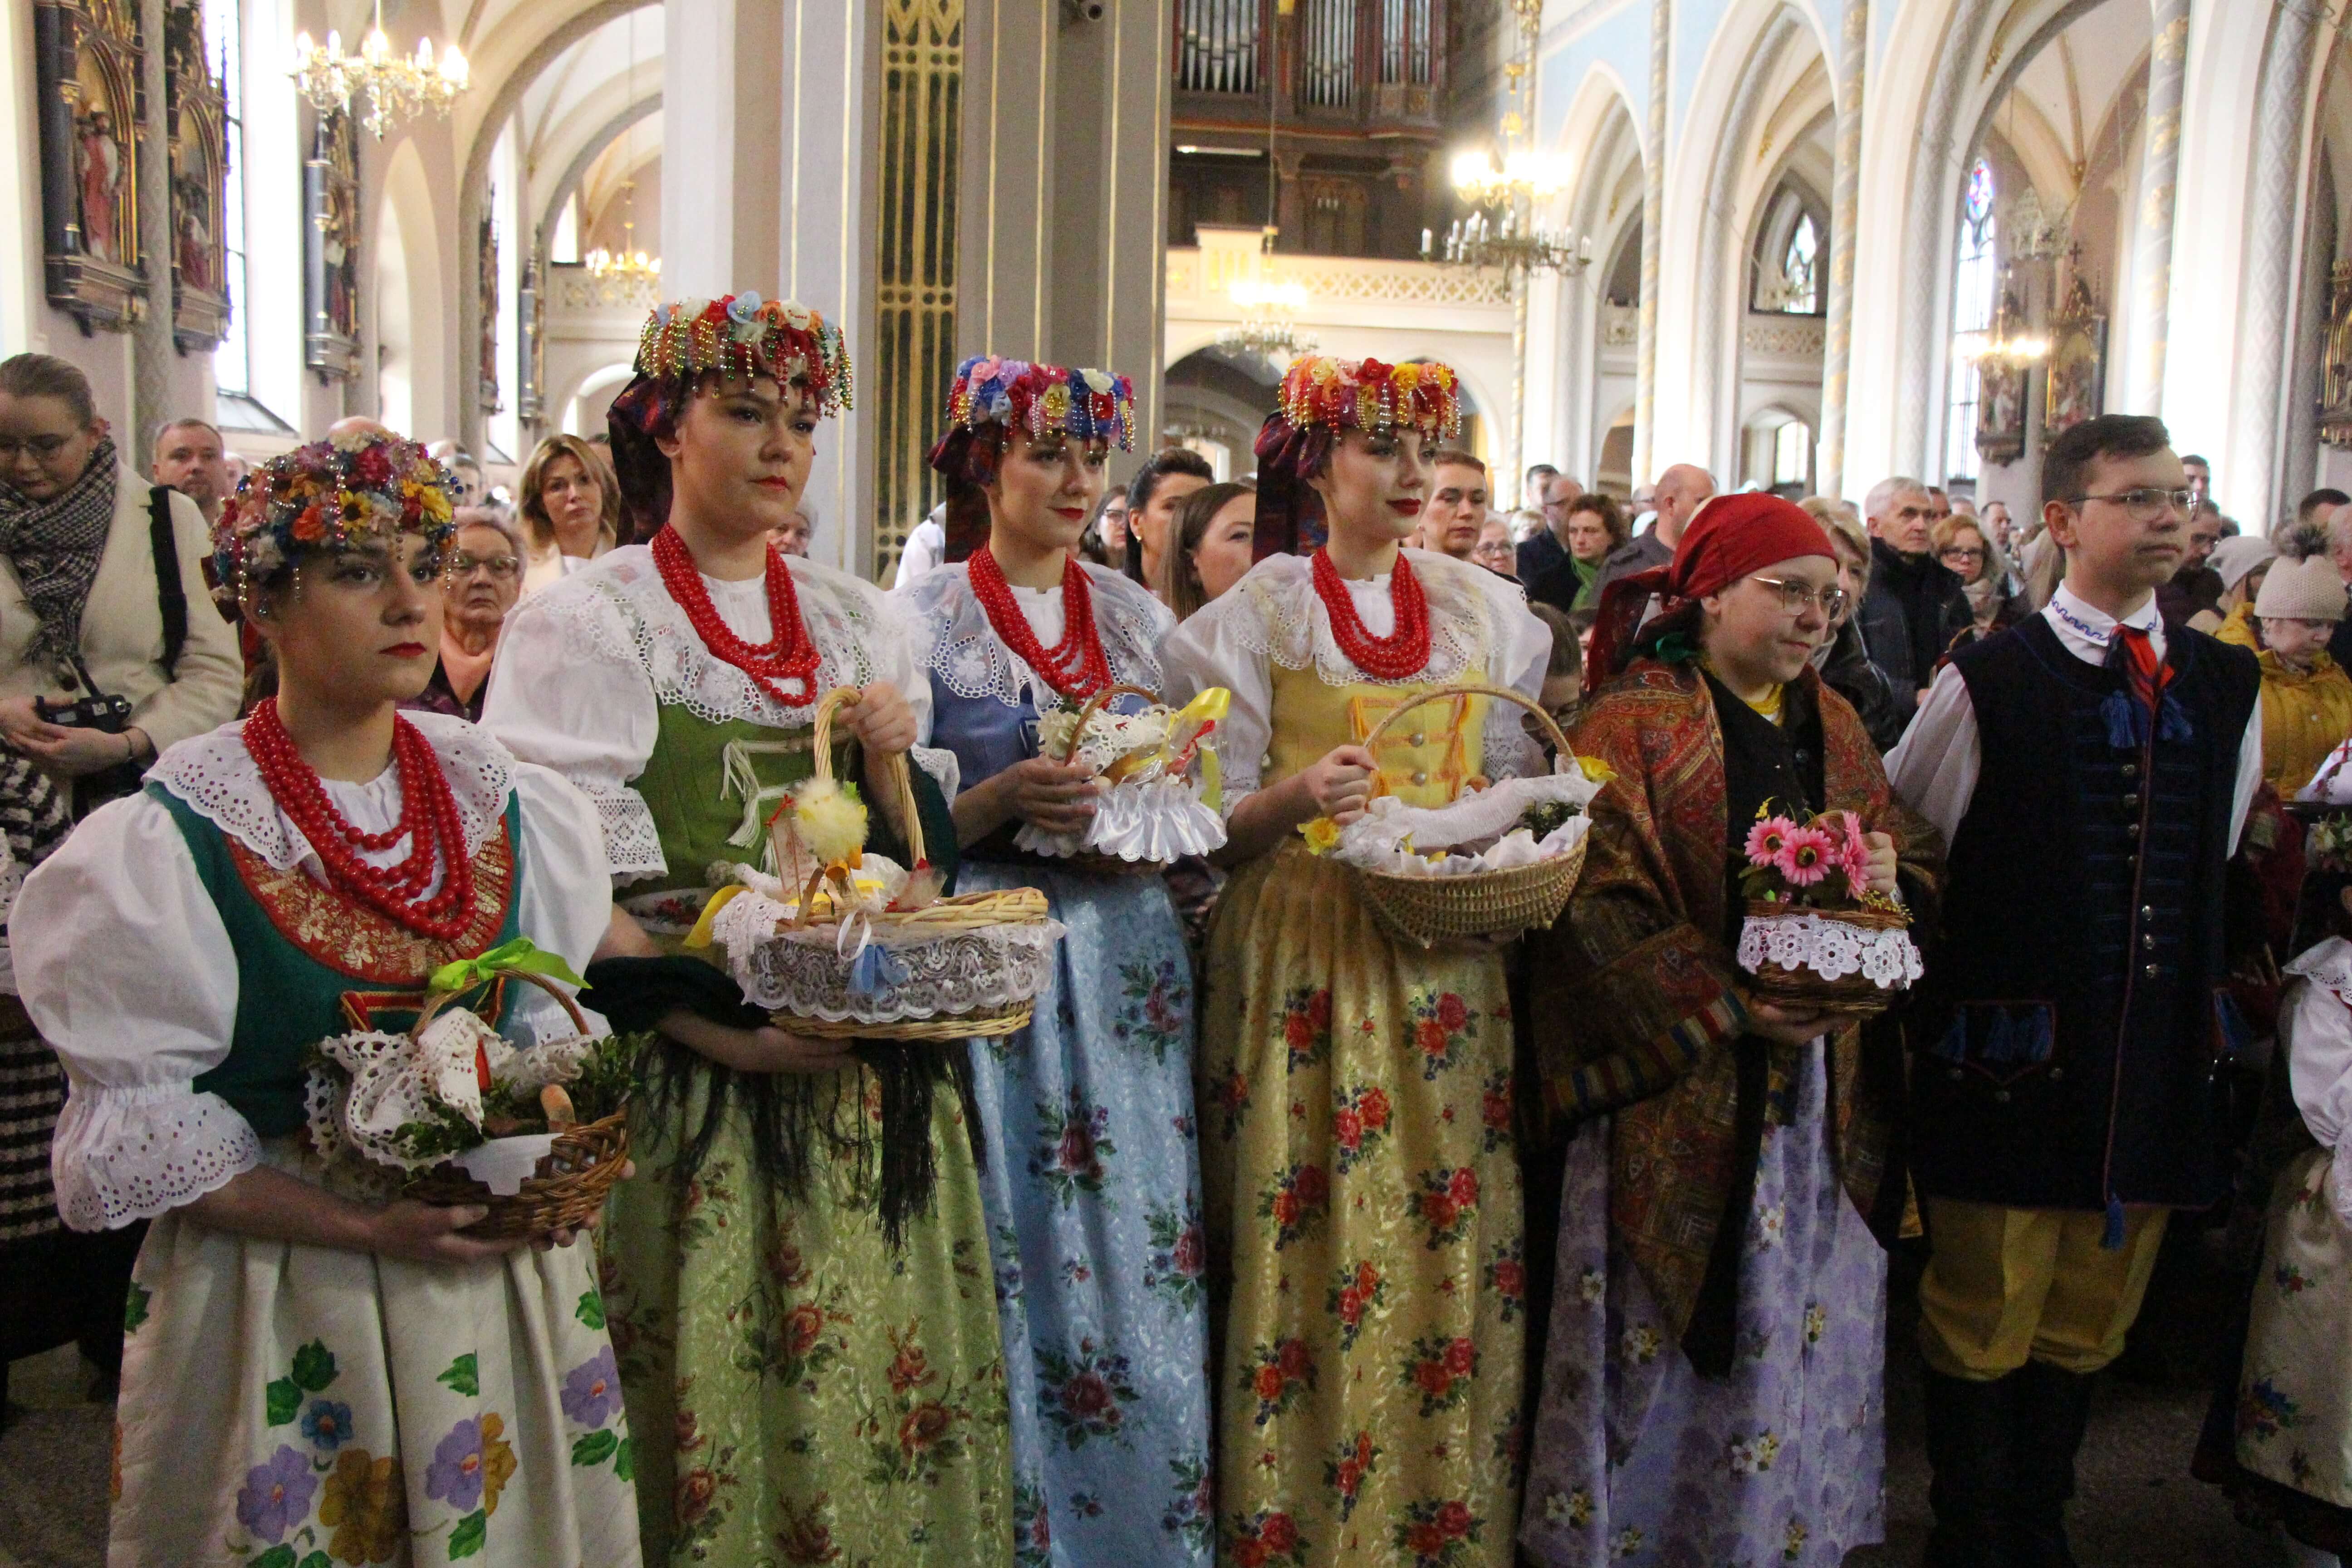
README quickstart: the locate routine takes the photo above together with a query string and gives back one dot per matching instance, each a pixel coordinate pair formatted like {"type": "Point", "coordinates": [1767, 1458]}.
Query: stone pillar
{"type": "Point", "coordinates": [1722, 294]}
{"type": "Point", "coordinates": [722, 119]}
{"type": "Point", "coordinates": [2151, 302]}
{"type": "Point", "coordinates": [1653, 218]}
{"type": "Point", "coordinates": [1837, 348]}
{"type": "Point", "coordinates": [2252, 475]}
{"type": "Point", "coordinates": [1062, 190]}
{"type": "Point", "coordinates": [151, 346]}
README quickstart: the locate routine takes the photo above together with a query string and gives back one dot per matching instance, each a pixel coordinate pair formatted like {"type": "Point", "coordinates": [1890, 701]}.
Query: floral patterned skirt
{"type": "Point", "coordinates": [820, 1397]}
{"type": "Point", "coordinates": [2294, 1396]}
{"type": "Point", "coordinates": [284, 1404]}
{"type": "Point", "coordinates": [1638, 1460]}
{"type": "Point", "coordinates": [1365, 1233]}
{"type": "Point", "coordinates": [1093, 1197]}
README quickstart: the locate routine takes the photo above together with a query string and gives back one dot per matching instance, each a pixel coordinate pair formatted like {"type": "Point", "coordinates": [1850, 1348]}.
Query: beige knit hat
{"type": "Point", "coordinates": [2310, 589]}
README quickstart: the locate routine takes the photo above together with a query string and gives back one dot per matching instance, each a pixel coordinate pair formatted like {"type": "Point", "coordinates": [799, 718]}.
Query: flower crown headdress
{"type": "Point", "coordinates": [365, 486]}
{"type": "Point", "coordinates": [1318, 390]}
{"type": "Point", "coordinates": [1085, 405]}
{"type": "Point", "coordinates": [744, 335]}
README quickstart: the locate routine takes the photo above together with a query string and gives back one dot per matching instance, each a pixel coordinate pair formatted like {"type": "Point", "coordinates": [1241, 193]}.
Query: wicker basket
{"type": "Point", "coordinates": [572, 1179]}
{"type": "Point", "coordinates": [946, 920]}
{"type": "Point", "coordinates": [1425, 910]}
{"type": "Point", "coordinates": [1095, 861]}
{"type": "Point", "coordinates": [1856, 995]}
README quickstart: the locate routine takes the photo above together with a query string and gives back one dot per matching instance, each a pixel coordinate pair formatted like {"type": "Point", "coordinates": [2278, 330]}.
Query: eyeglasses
{"type": "Point", "coordinates": [1796, 598]}
{"type": "Point", "coordinates": [1962, 552]}
{"type": "Point", "coordinates": [41, 447]}
{"type": "Point", "coordinates": [499, 566]}
{"type": "Point", "coordinates": [2147, 503]}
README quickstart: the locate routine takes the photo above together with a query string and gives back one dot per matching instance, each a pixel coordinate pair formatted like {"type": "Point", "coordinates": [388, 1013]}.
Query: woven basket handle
{"type": "Point", "coordinates": [1472, 689]}
{"type": "Point", "coordinates": [1095, 705]}
{"type": "Point", "coordinates": [894, 765]}
{"type": "Point", "coordinates": [436, 1000]}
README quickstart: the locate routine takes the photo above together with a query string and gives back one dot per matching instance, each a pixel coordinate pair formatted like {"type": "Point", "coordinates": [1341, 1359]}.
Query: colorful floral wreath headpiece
{"type": "Point", "coordinates": [992, 397]}
{"type": "Point", "coordinates": [1368, 396]}
{"type": "Point", "coordinates": [744, 335]}
{"type": "Point", "coordinates": [365, 486]}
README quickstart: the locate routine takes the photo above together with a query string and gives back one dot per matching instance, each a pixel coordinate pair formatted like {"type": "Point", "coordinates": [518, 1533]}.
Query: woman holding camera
{"type": "Point", "coordinates": [315, 1369]}
{"type": "Point", "coordinates": [110, 646]}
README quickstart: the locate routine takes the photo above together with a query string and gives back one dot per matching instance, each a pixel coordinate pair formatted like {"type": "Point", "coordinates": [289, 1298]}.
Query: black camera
{"type": "Point", "coordinates": [109, 715]}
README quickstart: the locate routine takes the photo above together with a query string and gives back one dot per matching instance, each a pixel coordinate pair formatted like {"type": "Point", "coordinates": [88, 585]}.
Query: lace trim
{"type": "Point", "coordinates": [944, 767]}
{"type": "Point", "coordinates": [963, 649]}
{"type": "Point", "coordinates": [617, 608]}
{"type": "Point", "coordinates": [126, 1154]}
{"type": "Point", "coordinates": [1277, 615]}
{"type": "Point", "coordinates": [805, 972]}
{"type": "Point", "coordinates": [632, 843]}
{"type": "Point", "coordinates": [221, 783]}
{"type": "Point", "coordinates": [1149, 821]}
{"type": "Point", "coordinates": [1830, 948]}
{"type": "Point", "coordinates": [2327, 965]}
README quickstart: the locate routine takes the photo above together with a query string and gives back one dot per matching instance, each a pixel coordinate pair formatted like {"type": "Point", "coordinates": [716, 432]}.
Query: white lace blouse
{"type": "Point", "coordinates": [127, 970]}
{"type": "Point", "coordinates": [1480, 630]}
{"type": "Point", "coordinates": [584, 668]}
{"type": "Point", "coordinates": [973, 661]}
{"type": "Point", "coordinates": [2316, 1033]}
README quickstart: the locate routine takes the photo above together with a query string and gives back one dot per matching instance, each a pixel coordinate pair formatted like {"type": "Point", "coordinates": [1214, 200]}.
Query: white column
{"type": "Point", "coordinates": [1837, 349]}
{"type": "Point", "coordinates": [2151, 300]}
{"type": "Point", "coordinates": [2269, 279]}
{"type": "Point", "coordinates": [152, 347]}
{"type": "Point", "coordinates": [1654, 219]}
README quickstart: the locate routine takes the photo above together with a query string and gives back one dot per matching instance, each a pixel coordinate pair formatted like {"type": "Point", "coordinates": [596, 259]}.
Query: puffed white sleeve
{"type": "Point", "coordinates": [1520, 651]}
{"type": "Point", "coordinates": [569, 703]}
{"type": "Point", "coordinates": [126, 969]}
{"type": "Point", "coordinates": [903, 658]}
{"type": "Point", "coordinates": [2316, 1032]}
{"type": "Point", "coordinates": [1206, 651]}
{"type": "Point", "coordinates": [1934, 769]}
{"type": "Point", "coordinates": [566, 898]}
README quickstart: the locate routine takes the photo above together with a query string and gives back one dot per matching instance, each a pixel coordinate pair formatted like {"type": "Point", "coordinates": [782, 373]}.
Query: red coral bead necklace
{"type": "Point", "coordinates": [1404, 652]}
{"type": "Point", "coordinates": [428, 820]}
{"type": "Point", "coordinates": [790, 654]}
{"type": "Point", "coordinates": [1076, 666]}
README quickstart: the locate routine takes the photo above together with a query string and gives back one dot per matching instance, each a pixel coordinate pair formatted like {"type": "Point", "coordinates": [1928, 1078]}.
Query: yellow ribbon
{"type": "Point", "coordinates": [519, 956]}
{"type": "Point", "coordinates": [700, 935]}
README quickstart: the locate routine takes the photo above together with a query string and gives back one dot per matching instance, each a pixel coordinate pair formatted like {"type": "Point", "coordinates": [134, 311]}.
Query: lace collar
{"type": "Point", "coordinates": [973, 661]}
{"type": "Point", "coordinates": [617, 607]}
{"type": "Point", "coordinates": [1276, 614]}
{"type": "Point", "coordinates": [2326, 964]}
{"type": "Point", "coordinates": [218, 780]}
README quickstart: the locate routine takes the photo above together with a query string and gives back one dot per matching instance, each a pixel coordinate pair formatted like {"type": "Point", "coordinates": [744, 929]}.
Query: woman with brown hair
{"type": "Point", "coordinates": [1214, 530]}
{"type": "Point", "coordinates": [571, 509]}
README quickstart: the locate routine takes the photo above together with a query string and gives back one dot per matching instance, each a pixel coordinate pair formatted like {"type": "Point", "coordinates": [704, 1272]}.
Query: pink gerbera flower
{"type": "Point", "coordinates": [1807, 857]}
{"type": "Point", "coordinates": [1768, 838]}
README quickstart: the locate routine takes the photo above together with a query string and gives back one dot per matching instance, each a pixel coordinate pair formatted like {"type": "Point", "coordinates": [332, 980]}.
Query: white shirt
{"type": "Point", "coordinates": [1934, 769]}
{"type": "Point", "coordinates": [926, 548]}
{"type": "Point", "coordinates": [2315, 1031]}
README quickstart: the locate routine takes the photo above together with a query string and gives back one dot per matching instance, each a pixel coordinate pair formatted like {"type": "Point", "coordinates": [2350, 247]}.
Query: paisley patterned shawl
{"type": "Point", "coordinates": [1636, 1004]}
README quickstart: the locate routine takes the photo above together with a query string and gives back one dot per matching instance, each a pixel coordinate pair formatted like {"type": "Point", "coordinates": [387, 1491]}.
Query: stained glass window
{"type": "Point", "coordinates": [1975, 283]}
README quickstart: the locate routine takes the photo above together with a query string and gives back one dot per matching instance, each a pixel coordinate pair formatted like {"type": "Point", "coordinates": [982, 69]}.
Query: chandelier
{"type": "Point", "coordinates": [1267, 329]}
{"type": "Point", "coordinates": [628, 266]}
{"type": "Point", "coordinates": [1514, 243]}
{"type": "Point", "coordinates": [1501, 231]}
{"type": "Point", "coordinates": [2001, 342]}
{"type": "Point", "coordinates": [398, 88]}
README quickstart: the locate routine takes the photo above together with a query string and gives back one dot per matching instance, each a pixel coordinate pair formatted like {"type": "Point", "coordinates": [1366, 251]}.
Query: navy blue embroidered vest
{"type": "Point", "coordinates": [2071, 1023]}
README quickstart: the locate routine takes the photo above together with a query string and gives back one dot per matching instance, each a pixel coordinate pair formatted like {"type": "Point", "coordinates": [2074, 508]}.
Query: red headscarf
{"type": "Point", "coordinates": [1730, 537]}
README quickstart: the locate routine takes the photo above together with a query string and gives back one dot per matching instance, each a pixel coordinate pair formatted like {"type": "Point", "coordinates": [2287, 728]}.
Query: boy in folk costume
{"type": "Point", "coordinates": [2092, 771]}
{"type": "Point", "coordinates": [1712, 1371]}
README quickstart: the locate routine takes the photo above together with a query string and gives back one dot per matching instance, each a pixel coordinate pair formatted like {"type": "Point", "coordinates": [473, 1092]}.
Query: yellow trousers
{"type": "Point", "coordinates": [2007, 1285]}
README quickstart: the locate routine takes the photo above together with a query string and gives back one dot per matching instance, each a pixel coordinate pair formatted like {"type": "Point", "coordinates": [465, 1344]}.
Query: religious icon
{"type": "Point", "coordinates": [486, 280]}
{"type": "Point", "coordinates": [330, 200]}
{"type": "Point", "coordinates": [86, 57]}
{"type": "Point", "coordinates": [2078, 361]}
{"type": "Point", "coordinates": [196, 109]}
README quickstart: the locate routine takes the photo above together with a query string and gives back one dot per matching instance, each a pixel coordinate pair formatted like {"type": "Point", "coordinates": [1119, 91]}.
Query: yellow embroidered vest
{"type": "Point", "coordinates": [1426, 760]}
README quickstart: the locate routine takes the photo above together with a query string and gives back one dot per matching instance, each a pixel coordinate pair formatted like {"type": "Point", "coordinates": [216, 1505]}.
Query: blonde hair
{"type": "Point", "coordinates": [593, 466]}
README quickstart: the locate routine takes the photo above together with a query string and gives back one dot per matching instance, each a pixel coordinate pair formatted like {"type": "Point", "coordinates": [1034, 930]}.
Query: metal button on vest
{"type": "Point", "coordinates": [2147, 940]}
{"type": "Point", "coordinates": [1417, 738]}
{"type": "Point", "coordinates": [2131, 770]}
{"type": "Point", "coordinates": [2056, 1074]}
{"type": "Point", "coordinates": [2000, 1096]}
{"type": "Point", "coordinates": [1954, 1075]}
{"type": "Point", "coordinates": [2147, 911]}
{"type": "Point", "coordinates": [2131, 805]}
{"type": "Point", "coordinates": [1420, 777]}
{"type": "Point", "coordinates": [2152, 970]}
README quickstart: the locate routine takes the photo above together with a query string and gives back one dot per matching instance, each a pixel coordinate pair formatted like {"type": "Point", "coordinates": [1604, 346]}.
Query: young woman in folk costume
{"type": "Point", "coordinates": [799, 1286]}
{"type": "Point", "coordinates": [309, 1370]}
{"type": "Point", "coordinates": [1091, 1183]}
{"type": "Point", "coordinates": [1363, 1193]}
{"type": "Point", "coordinates": [1711, 1384]}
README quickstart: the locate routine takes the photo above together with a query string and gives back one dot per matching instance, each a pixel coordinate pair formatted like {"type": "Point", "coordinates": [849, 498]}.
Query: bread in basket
{"type": "Point", "coordinates": [1493, 861]}
{"type": "Point", "coordinates": [1158, 770]}
{"type": "Point", "coordinates": [453, 1112]}
{"type": "Point", "coordinates": [844, 944]}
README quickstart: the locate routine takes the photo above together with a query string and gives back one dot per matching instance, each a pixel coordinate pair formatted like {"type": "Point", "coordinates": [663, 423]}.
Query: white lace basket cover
{"type": "Point", "coordinates": [860, 969]}
{"type": "Point", "coordinates": [1147, 817]}
{"type": "Point", "coordinates": [1478, 832]}
{"type": "Point", "coordinates": [1830, 948]}
{"type": "Point", "coordinates": [388, 1081]}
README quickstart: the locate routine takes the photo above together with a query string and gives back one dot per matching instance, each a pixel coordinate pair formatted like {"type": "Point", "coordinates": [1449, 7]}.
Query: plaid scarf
{"type": "Point", "coordinates": [55, 546]}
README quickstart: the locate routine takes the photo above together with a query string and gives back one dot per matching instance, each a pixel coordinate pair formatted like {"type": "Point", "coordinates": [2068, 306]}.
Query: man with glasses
{"type": "Point", "coordinates": [2091, 769]}
{"type": "Point", "coordinates": [1916, 604]}
{"type": "Point", "coordinates": [1547, 547]}
{"type": "Point", "coordinates": [481, 578]}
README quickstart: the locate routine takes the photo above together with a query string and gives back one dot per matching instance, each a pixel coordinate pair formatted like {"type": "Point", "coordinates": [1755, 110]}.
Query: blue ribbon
{"type": "Point", "coordinates": [874, 968]}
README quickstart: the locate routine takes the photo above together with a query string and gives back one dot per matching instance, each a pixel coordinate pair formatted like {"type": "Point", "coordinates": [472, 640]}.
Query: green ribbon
{"type": "Point", "coordinates": [519, 956]}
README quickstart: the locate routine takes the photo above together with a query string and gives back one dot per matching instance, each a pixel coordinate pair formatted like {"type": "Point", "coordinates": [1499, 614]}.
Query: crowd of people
{"type": "Point", "coordinates": [1271, 1238]}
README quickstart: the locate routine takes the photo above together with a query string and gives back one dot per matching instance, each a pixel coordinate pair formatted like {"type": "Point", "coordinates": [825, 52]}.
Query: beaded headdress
{"type": "Point", "coordinates": [1320, 397]}
{"type": "Point", "coordinates": [369, 486]}
{"type": "Point", "coordinates": [744, 335]}
{"type": "Point", "coordinates": [991, 398]}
